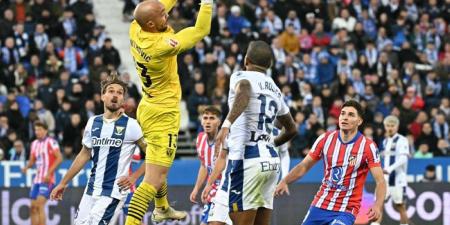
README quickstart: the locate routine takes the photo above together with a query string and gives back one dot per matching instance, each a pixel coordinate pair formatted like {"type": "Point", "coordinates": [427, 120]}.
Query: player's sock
{"type": "Point", "coordinates": [143, 195]}
{"type": "Point", "coordinates": [374, 223]}
{"type": "Point", "coordinates": [161, 197]}
{"type": "Point", "coordinates": [403, 224]}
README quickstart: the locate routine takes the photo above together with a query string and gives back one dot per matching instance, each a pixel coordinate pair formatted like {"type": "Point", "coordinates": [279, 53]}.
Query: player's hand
{"type": "Point", "coordinates": [205, 193]}
{"type": "Point", "coordinates": [374, 213]}
{"type": "Point", "coordinates": [193, 196]}
{"type": "Point", "coordinates": [47, 178]}
{"type": "Point", "coordinates": [125, 183]}
{"type": "Point", "coordinates": [220, 139]}
{"type": "Point", "coordinates": [385, 172]}
{"type": "Point", "coordinates": [58, 192]}
{"type": "Point", "coordinates": [281, 189]}
{"type": "Point", "coordinates": [24, 170]}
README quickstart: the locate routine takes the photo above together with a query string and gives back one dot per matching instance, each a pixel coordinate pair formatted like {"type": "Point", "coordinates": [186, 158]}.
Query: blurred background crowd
{"type": "Point", "coordinates": [393, 56]}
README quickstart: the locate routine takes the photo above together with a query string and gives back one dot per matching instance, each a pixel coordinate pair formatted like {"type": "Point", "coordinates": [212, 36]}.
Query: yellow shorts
{"type": "Point", "coordinates": [160, 126]}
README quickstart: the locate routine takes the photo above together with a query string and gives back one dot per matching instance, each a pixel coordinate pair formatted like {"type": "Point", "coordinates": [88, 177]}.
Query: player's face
{"type": "Point", "coordinates": [113, 98]}
{"type": "Point", "coordinates": [391, 129]}
{"type": "Point", "coordinates": [40, 132]}
{"type": "Point", "coordinates": [160, 21]}
{"type": "Point", "coordinates": [349, 119]}
{"type": "Point", "coordinates": [210, 123]}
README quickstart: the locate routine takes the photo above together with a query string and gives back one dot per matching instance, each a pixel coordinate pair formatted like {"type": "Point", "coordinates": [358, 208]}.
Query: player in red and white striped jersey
{"type": "Point", "coordinates": [210, 120]}
{"type": "Point", "coordinates": [45, 153]}
{"type": "Point", "coordinates": [348, 157]}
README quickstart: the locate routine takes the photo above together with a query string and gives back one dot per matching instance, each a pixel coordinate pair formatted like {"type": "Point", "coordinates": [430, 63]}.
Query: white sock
{"type": "Point", "coordinates": [375, 223]}
{"type": "Point", "coordinates": [403, 224]}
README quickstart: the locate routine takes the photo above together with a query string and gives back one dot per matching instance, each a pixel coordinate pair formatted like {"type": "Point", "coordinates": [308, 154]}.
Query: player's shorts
{"type": "Point", "coordinates": [218, 213]}
{"type": "Point", "coordinates": [42, 189]}
{"type": "Point", "coordinates": [97, 209]}
{"type": "Point", "coordinates": [322, 216]}
{"type": "Point", "coordinates": [118, 213]}
{"type": "Point", "coordinates": [252, 183]}
{"type": "Point", "coordinates": [160, 126]}
{"type": "Point", "coordinates": [397, 194]}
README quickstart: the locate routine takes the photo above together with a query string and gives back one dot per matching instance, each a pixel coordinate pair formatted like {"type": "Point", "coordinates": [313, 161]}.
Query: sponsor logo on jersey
{"type": "Point", "coordinates": [106, 142]}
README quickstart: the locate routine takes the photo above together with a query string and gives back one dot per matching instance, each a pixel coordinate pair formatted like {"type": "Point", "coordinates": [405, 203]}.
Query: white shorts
{"type": "Point", "coordinates": [97, 209]}
{"type": "Point", "coordinates": [397, 194]}
{"type": "Point", "coordinates": [251, 183]}
{"type": "Point", "coordinates": [219, 213]}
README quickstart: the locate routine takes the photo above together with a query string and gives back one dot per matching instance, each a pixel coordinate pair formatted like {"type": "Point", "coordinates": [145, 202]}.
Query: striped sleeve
{"type": "Point", "coordinates": [199, 147]}
{"type": "Point", "coordinates": [317, 148]}
{"type": "Point", "coordinates": [53, 146]}
{"type": "Point", "coordinates": [372, 155]}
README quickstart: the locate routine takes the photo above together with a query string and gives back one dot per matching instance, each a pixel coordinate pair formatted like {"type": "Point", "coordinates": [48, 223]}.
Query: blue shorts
{"type": "Point", "coordinates": [318, 216]}
{"type": "Point", "coordinates": [43, 189]}
{"type": "Point", "coordinates": [205, 213]}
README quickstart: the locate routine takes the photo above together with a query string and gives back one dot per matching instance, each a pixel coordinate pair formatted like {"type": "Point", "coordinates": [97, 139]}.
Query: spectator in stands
{"type": "Point", "coordinates": [17, 152]}
{"type": "Point", "coordinates": [289, 40]}
{"type": "Point", "coordinates": [423, 152]}
{"type": "Point", "coordinates": [430, 175]}
{"type": "Point", "coordinates": [110, 54]}
{"type": "Point", "coordinates": [440, 126]}
{"type": "Point", "coordinates": [45, 116]}
{"type": "Point", "coordinates": [235, 21]}
{"type": "Point", "coordinates": [195, 101]}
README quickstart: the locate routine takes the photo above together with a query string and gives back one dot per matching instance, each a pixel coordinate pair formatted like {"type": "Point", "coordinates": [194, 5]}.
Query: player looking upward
{"type": "Point", "coordinates": [253, 163]}
{"type": "Point", "coordinates": [109, 140]}
{"type": "Point", "coordinates": [154, 47]}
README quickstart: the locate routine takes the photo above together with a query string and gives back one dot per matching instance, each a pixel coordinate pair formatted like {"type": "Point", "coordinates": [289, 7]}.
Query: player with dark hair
{"type": "Point", "coordinates": [253, 167]}
{"type": "Point", "coordinates": [109, 140]}
{"type": "Point", "coordinates": [348, 156]}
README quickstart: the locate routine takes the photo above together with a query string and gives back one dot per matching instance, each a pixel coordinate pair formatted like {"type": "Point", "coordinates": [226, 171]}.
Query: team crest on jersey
{"type": "Point", "coordinates": [352, 160]}
{"type": "Point", "coordinates": [119, 130]}
{"type": "Point", "coordinates": [172, 42]}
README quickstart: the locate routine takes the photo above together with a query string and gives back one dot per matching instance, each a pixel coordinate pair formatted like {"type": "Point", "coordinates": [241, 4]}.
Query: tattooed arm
{"type": "Point", "coordinates": [243, 91]}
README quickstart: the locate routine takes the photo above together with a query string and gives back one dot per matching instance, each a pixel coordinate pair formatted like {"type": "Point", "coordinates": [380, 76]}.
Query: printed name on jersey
{"type": "Point", "coordinates": [106, 142]}
{"type": "Point", "coordinates": [172, 42]}
{"type": "Point", "coordinates": [268, 86]}
{"type": "Point", "coordinates": [140, 51]}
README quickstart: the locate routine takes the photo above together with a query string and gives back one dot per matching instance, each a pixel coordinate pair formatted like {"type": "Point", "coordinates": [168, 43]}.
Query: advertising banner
{"type": "Point", "coordinates": [426, 204]}
{"type": "Point", "coordinates": [184, 172]}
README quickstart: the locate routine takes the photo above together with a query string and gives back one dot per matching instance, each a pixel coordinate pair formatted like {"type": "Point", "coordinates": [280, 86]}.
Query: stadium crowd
{"type": "Point", "coordinates": [393, 56]}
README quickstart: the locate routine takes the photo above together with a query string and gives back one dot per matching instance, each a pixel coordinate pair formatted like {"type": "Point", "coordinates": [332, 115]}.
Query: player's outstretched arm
{"type": "Point", "coordinates": [201, 178]}
{"type": "Point", "coordinates": [221, 162]}
{"type": "Point", "coordinates": [289, 130]}
{"type": "Point", "coordinates": [168, 4]}
{"type": "Point", "coordinates": [380, 193]}
{"type": "Point", "coordinates": [296, 173]}
{"type": "Point", "coordinates": [188, 37]}
{"type": "Point", "coordinates": [82, 158]}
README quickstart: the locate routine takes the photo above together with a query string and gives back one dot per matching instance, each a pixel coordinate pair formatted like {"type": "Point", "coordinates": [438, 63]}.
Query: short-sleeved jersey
{"type": "Point", "coordinates": [251, 134]}
{"type": "Point", "coordinates": [346, 169]}
{"type": "Point", "coordinates": [394, 148]}
{"type": "Point", "coordinates": [44, 152]}
{"type": "Point", "coordinates": [112, 146]}
{"type": "Point", "coordinates": [155, 56]}
{"type": "Point", "coordinates": [205, 151]}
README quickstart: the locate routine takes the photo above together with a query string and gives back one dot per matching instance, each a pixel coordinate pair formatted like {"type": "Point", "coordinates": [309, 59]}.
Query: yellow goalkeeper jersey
{"type": "Point", "coordinates": [155, 55]}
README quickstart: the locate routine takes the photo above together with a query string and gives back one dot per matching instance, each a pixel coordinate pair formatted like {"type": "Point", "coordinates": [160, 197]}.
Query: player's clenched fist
{"type": "Point", "coordinates": [58, 192]}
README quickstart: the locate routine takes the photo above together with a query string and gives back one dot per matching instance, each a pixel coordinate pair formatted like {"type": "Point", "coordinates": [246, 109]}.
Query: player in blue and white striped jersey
{"type": "Point", "coordinates": [109, 140]}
